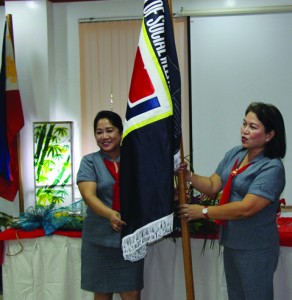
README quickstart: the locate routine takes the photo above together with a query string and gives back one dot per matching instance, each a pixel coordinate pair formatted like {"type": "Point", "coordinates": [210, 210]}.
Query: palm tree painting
{"type": "Point", "coordinates": [53, 162]}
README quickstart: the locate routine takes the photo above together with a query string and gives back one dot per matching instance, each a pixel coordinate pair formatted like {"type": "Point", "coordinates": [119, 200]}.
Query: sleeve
{"type": "Point", "coordinates": [87, 170]}
{"type": "Point", "coordinates": [269, 182]}
{"type": "Point", "coordinates": [223, 163]}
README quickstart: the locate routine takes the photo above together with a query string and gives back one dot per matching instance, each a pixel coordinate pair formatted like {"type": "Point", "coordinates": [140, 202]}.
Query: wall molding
{"type": "Point", "coordinates": [237, 11]}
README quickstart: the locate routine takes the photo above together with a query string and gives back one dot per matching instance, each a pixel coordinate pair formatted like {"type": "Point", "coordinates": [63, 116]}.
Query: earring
{"type": "Point", "coordinates": [267, 140]}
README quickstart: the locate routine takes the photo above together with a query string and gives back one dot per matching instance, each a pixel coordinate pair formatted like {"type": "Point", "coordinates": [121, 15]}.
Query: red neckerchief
{"type": "Point", "coordinates": [226, 191]}
{"type": "Point", "coordinates": [111, 166]}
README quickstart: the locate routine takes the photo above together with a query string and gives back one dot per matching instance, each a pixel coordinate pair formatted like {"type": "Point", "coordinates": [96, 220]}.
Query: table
{"type": "Point", "coordinates": [48, 268]}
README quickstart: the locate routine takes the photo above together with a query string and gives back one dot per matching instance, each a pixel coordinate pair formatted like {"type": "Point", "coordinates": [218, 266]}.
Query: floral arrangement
{"type": "Point", "coordinates": [50, 218]}
{"type": "Point", "coordinates": [6, 221]}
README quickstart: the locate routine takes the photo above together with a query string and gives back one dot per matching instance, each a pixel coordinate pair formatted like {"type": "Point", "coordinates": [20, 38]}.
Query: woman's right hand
{"type": "Point", "coordinates": [116, 221]}
{"type": "Point", "coordinates": [187, 173]}
{"type": "Point", "coordinates": [183, 166]}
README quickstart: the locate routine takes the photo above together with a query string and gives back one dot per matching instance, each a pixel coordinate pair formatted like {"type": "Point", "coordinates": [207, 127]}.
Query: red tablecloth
{"type": "Point", "coordinates": [285, 231]}
{"type": "Point", "coordinates": [284, 226]}
{"type": "Point", "coordinates": [13, 234]}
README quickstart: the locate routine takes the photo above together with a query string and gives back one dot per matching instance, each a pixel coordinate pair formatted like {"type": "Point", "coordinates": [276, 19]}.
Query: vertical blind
{"type": "Point", "coordinates": [107, 53]}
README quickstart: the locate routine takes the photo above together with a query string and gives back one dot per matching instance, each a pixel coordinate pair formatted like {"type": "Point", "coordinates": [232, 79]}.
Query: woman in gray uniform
{"type": "Point", "coordinates": [252, 177]}
{"type": "Point", "coordinates": [103, 268]}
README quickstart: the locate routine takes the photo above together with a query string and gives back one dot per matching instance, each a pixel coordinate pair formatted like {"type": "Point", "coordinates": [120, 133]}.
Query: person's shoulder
{"type": "Point", "coordinates": [90, 157]}
{"type": "Point", "coordinates": [270, 166]}
{"type": "Point", "coordinates": [277, 162]}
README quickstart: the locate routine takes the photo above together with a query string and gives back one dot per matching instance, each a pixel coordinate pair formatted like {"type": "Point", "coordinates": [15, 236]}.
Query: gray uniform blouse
{"type": "Point", "coordinates": [266, 178]}
{"type": "Point", "coordinates": [97, 229]}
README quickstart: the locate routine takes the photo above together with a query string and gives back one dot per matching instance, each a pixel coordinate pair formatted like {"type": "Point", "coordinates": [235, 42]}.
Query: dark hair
{"type": "Point", "coordinates": [272, 119]}
{"type": "Point", "coordinates": [113, 117]}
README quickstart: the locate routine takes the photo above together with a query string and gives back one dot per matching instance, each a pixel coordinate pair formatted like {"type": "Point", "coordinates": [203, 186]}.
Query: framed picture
{"type": "Point", "coordinates": [53, 163]}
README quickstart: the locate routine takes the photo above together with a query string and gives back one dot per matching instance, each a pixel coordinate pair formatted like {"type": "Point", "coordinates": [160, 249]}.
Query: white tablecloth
{"type": "Point", "coordinates": [48, 268]}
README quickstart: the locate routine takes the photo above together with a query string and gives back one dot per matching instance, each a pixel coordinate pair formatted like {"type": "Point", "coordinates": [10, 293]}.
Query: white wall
{"type": "Point", "coordinates": [229, 71]}
{"type": "Point", "coordinates": [47, 58]}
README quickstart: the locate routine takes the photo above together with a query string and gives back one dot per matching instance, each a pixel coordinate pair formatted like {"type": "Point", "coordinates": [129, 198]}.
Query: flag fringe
{"type": "Point", "coordinates": [135, 245]}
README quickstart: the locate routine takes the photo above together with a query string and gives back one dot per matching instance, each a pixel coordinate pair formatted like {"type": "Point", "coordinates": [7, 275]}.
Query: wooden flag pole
{"type": "Point", "coordinates": [20, 192]}
{"type": "Point", "coordinates": [187, 256]}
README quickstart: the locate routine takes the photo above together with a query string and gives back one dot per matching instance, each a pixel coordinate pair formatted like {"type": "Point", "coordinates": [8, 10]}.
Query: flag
{"type": "Point", "coordinates": [152, 135]}
{"type": "Point", "coordinates": [11, 119]}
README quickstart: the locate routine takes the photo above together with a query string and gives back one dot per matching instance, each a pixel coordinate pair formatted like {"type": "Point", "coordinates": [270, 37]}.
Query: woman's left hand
{"type": "Point", "coordinates": [190, 212]}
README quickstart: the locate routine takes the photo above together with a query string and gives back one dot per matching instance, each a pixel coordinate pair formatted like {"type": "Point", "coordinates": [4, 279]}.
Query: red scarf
{"type": "Point", "coordinates": [226, 191]}
{"type": "Point", "coordinates": [111, 166]}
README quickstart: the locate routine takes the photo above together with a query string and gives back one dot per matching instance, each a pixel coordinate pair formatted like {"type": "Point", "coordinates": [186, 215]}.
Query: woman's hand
{"type": "Point", "coordinates": [190, 212]}
{"type": "Point", "coordinates": [115, 220]}
{"type": "Point", "coordinates": [187, 173]}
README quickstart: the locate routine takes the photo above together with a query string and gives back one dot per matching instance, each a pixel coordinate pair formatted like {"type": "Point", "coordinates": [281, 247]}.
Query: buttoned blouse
{"type": "Point", "coordinates": [98, 229]}
{"type": "Point", "coordinates": [266, 178]}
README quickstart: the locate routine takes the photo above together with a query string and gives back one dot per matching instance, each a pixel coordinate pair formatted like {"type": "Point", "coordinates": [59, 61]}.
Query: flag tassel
{"type": "Point", "coordinates": [135, 245]}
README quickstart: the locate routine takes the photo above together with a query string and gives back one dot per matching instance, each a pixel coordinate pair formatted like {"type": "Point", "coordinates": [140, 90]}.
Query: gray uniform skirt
{"type": "Point", "coordinates": [104, 270]}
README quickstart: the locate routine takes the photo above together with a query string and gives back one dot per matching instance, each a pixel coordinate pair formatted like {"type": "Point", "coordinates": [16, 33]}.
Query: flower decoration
{"type": "Point", "coordinates": [50, 218]}
{"type": "Point", "coordinates": [6, 220]}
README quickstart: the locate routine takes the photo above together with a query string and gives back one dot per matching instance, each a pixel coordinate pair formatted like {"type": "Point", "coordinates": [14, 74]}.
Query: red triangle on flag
{"type": "Point", "coordinates": [140, 75]}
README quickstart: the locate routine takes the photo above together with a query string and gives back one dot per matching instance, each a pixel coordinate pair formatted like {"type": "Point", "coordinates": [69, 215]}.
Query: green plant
{"type": "Point", "coordinates": [52, 162]}
{"type": "Point", "coordinates": [5, 220]}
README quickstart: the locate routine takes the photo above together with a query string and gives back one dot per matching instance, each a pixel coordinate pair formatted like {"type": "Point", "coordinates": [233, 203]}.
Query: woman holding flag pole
{"type": "Point", "coordinates": [252, 176]}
